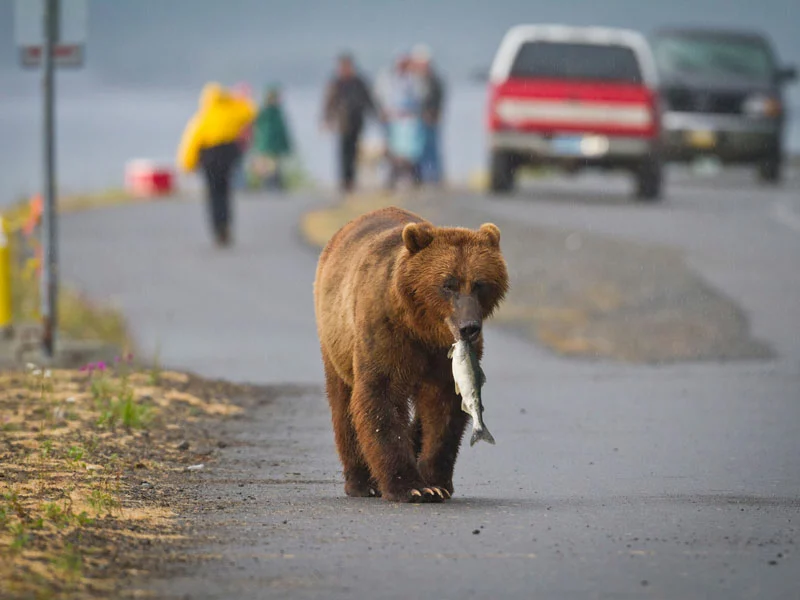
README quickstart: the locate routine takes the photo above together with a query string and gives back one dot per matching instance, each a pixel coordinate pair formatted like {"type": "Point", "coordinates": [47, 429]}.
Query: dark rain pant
{"type": "Point", "coordinates": [348, 152]}
{"type": "Point", "coordinates": [218, 163]}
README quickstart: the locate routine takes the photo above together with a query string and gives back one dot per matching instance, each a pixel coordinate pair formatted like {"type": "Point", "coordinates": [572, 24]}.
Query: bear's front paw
{"type": "Point", "coordinates": [361, 489]}
{"type": "Point", "coordinates": [436, 478]}
{"type": "Point", "coordinates": [419, 495]}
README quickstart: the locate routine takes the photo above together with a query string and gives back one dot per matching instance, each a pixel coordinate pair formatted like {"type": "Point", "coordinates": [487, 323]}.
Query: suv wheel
{"type": "Point", "coordinates": [648, 180]}
{"type": "Point", "coordinates": [769, 170]}
{"type": "Point", "coordinates": [502, 172]}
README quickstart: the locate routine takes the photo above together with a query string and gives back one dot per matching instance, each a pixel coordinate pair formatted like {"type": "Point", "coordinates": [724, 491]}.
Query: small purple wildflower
{"type": "Point", "coordinates": [100, 366]}
{"type": "Point", "coordinates": [88, 368]}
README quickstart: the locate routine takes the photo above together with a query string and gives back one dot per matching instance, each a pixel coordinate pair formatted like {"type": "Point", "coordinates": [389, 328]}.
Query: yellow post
{"type": "Point", "coordinates": [5, 279]}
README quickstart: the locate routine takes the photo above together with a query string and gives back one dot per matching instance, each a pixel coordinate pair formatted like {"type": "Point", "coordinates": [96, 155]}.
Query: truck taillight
{"type": "Point", "coordinates": [655, 103]}
{"type": "Point", "coordinates": [494, 122]}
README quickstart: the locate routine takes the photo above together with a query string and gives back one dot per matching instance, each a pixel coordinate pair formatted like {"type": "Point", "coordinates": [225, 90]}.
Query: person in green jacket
{"type": "Point", "coordinates": [271, 140]}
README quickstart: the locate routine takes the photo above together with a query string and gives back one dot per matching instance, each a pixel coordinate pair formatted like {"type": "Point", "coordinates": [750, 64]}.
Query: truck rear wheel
{"type": "Point", "coordinates": [502, 171]}
{"type": "Point", "coordinates": [649, 180]}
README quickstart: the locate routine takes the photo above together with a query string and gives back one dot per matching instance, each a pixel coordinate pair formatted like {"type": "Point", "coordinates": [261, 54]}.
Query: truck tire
{"type": "Point", "coordinates": [501, 172]}
{"type": "Point", "coordinates": [649, 178]}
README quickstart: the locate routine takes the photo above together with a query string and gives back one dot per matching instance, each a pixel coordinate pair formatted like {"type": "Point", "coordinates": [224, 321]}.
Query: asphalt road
{"type": "Point", "coordinates": [607, 481]}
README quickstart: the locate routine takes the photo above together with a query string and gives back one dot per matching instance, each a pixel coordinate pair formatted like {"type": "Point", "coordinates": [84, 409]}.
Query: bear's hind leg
{"type": "Point", "coordinates": [438, 408]}
{"type": "Point", "coordinates": [356, 473]}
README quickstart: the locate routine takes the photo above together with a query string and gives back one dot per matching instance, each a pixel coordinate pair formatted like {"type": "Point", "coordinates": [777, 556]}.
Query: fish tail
{"type": "Point", "coordinates": [481, 434]}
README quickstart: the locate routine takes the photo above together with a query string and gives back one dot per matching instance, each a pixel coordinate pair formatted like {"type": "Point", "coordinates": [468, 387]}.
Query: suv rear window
{"type": "Point", "coordinates": [559, 60]}
{"type": "Point", "coordinates": [714, 55]}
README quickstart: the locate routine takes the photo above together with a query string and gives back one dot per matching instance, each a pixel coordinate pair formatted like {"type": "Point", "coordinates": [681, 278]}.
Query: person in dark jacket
{"type": "Point", "coordinates": [347, 103]}
{"type": "Point", "coordinates": [271, 140]}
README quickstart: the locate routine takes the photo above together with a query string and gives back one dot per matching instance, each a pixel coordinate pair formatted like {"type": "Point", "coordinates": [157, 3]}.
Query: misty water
{"type": "Point", "coordinates": [99, 132]}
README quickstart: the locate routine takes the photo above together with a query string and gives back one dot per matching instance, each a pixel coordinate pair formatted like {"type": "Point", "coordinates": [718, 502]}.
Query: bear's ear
{"type": "Point", "coordinates": [417, 236]}
{"type": "Point", "coordinates": [492, 232]}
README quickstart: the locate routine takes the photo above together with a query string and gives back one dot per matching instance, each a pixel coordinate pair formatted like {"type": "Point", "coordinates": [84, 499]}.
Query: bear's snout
{"type": "Point", "coordinates": [469, 331]}
{"type": "Point", "coordinates": [467, 318]}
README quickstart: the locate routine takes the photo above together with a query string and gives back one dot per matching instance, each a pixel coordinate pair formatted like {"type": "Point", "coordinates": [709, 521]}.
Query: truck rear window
{"type": "Point", "coordinates": [559, 60]}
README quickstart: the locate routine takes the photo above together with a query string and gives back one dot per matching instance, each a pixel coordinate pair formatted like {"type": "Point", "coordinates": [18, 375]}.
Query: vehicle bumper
{"type": "Point", "coordinates": [730, 138]}
{"type": "Point", "coordinates": [595, 149]}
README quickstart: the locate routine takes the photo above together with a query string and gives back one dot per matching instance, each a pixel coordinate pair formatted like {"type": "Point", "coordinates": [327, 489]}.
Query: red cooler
{"type": "Point", "coordinates": [147, 179]}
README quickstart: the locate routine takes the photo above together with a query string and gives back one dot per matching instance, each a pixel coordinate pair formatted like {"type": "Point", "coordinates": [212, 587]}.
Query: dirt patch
{"type": "Point", "coordinates": [94, 467]}
{"type": "Point", "coordinates": [585, 295]}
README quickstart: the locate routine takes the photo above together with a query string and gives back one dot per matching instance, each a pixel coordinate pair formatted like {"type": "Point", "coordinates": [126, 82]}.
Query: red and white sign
{"type": "Point", "coordinates": [72, 21]}
{"type": "Point", "coordinates": [64, 55]}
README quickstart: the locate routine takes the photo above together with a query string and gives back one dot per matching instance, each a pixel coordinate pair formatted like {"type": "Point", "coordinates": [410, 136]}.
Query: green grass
{"type": "Point", "coordinates": [102, 501]}
{"type": "Point", "coordinates": [102, 389]}
{"type": "Point", "coordinates": [75, 453]}
{"type": "Point", "coordinates": [69, 562]}
{"type": "Point", "coordinates": [126, 411]}
{"type": "Point", "coordinates": [46, 448]}
{"type": "Point", "coordinates": [56, 515]}
{"type": "Point", "coordinates": [20, 536]}
{"type": "Point", "coordinates": [155, 370]}
{"type": "Point", "coordinates": [117, 403]}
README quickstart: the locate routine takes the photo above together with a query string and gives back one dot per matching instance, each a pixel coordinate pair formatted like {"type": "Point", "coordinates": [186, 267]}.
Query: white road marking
{"type": "Point", "coordinates": [783, 213]}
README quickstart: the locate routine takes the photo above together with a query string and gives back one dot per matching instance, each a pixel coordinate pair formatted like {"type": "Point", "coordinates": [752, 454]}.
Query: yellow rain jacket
{"type": "Point", "coordinates": [221, 119]}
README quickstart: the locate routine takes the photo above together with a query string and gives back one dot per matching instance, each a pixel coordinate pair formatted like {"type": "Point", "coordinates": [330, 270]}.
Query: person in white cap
{"type": "Point", "coordinates": [430, 164]}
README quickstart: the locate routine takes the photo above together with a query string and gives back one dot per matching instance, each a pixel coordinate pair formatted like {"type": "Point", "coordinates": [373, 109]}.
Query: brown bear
{"type": "Point", "coordinates": [392, 294]}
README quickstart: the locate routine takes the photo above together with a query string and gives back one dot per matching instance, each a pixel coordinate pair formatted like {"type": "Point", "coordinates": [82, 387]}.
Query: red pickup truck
{"type": "Point", "coordinates": [574, 97]}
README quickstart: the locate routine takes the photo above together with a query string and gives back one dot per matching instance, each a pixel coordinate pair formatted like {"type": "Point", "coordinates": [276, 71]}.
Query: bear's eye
{"type": "Point", "coordinates": [450, 284]}
{"type": "Point", "coordinates": [479, 286]}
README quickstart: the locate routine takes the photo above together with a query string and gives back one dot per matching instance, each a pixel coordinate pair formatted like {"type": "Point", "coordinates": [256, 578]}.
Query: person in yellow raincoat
{"type": "Point", "coordinates": [211, 141]}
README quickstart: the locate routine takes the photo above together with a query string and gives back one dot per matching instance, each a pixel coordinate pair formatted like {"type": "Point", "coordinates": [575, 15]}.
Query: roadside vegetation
{"type": "Point", "coordinates": [88, 463]}
{"type": "Point", "coordinates": [80, 318]}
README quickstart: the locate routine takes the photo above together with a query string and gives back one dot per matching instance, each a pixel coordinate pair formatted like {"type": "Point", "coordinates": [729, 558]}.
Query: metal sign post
{"type": "Point", "coordinates": [49, 282]}
{"type": "Point", "coordinates": [51, 33]}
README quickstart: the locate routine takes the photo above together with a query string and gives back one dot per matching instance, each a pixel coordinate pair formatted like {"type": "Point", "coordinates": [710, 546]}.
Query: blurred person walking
{"type": "Point", "coordinates": [346, 105]}
{"type": "Point", "coordinates": [211, 140]}
{"type": "Point", "coordinates": [430, 163]}
{"type": "Point", "coordinates": [271, 141]}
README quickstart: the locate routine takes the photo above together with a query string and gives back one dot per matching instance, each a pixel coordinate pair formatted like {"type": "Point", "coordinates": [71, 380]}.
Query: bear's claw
{"type": "Point", "coordinates": [428, 494]}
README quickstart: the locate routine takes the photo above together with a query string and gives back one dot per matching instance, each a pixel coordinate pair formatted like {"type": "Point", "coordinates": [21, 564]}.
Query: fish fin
{"type": "Point", "coordinates": [481, 377]}
{"type": "Point", "coordinates": [481, 434]}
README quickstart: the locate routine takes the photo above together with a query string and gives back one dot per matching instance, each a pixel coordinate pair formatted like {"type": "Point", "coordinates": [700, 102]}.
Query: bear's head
{"type": "Point", "coordinates": [450, 279]}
